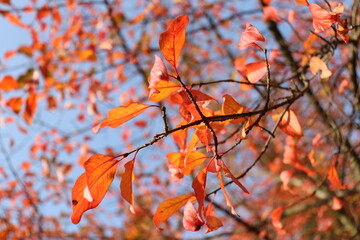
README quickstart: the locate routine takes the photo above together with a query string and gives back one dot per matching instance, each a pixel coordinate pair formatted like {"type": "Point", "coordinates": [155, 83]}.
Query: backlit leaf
{"type": "Point", "coordinates": [227, 198]}
{"type": "Point", "coordinates": [8, 83]}
{"type": "Point", "coordinates": [199, 185]}
{"type": "Point", "coordinates": [15, 104]}
{"type": "Point", "coordinates": [231, 106]}
{"type": "Point", "coordinates": [303, 2]}
{"type": "Point", "coordinates": [120, 115]}
{"type": "Point", "coordinates": [275, 219]}
{"type": "Point", "coordinates": [30, 108]}
{"type": "Point", "coordinates": [289, 124]}
{"type": "Point", "coordinates": [333, 177]}
{"type": "Point", "coordinates": [270, 13]}
{"type": "Point", "coordinates": [317, 64]}
{"type": "Point", "coordinates": [172, 40]}
{"type": "Point", "coordinates": [249, 37]}
{"type": "Point", "coordinates": [192, 220]}
{"type": "Point", "coordinates": [193, 160]}
{"type": "Point", "coordinates": [91, 187]}
{"type": "Point", "coordinates": [126, 184]}
{"type": "Point", "coordinates": [162, 90]}
{"type": "Point", "coordinates": [212, 222]}
{"type": "Point", "coordinates": [168, 207]}
{"type": "Point", "coordinates": [322, 19]}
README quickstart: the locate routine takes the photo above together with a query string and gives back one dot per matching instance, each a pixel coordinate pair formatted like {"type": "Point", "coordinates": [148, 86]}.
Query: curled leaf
{"type": "Point", "coordinates": [317, 64]}
{"type": "Point", "coordinates": [289, 123]}
{"type": "Point", "coordinates": [126, 184]}
{"type": "Point", "coordinates": [249, 37]}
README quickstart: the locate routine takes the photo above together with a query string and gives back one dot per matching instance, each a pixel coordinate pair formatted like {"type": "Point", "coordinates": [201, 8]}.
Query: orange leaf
{"type": "Point", "coordinates": [30, 108]}
{"type": "Point", "coordinates": [228, 202]}
{"type": "Point", "coordinates": [126, 184]}
{"type": "Point", "coordinates": [176, 159]}
{"type": "Point", "coordinates": [249, 37]}
{"type": "Point", "coordinates": [91, 187]}
{"type": "Point", "coordinates": [254, 71]}
{"type": "Point", "coordinates": [212, 222]}
{"type": "Point", "coordinates": [317, 64]}
{"type": "Point", "coordinates": [192, 220]}
{"type": "Point", "coordinates": [85, 55]}
{"type": "Point", "coordinates": [15, 104]}
{"type": "Point", "coordinates": [172, 40]}
{"type": "Point", "coordinates": [162, 90]}
{"type": "Point", "coordinates": [303, 2]}
{"type": "Point", "coordinates": [289, 123]}
{"type": "Point", "coordinates": [169, 207]}
{"type": "Point", "coordinates": [275, 219]}
{"type": "Point", "coordinates": [230, 175]}
{"type": "Point", "coordinates": [15, 20]}
{"type": "Point", "coordinates": [270, 13]}
{"type": "Point", "coordinates": [120, 115]}
{"type": "Point", "coordinates": [334, 177]}
{"type": "Point", "coordinates": [193, 160]}
{"type": "Point", "coordinates": [8, 83]}
{"type": "Point", "coordinates": [231, 106]}
{"type": "Point", "coordinates": [199, 185]}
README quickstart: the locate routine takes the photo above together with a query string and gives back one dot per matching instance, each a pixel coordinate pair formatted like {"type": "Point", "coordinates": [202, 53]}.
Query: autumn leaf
{"type": "Point", "coordinates": [212, 222]}
{"type": "Point", "coordinates": [85, 55]}
{"type": "Point", "coordinates": [270, 13]}
{"type": "Point", "coordinates": [91, 187]}
{"type": "Point", "coordinates": [322, 19]}
{"type": "Point", "coordinates": [303, 2]}
{"type": "Point", "coordinates": [168, 207]}
{"type": "Point", "coordinates": [199, 185]}
{"type": "Point", "coordinates": [233, 178]}
{"type": "Point", "coordinates": [30, 108]}
{"type": "Point", "coordinates": [172, 40]}
{"type": "Point", "coordinates": [192, 220]}
{"type": "Point", "coordinates": [231, 106]}
{"type": "Point", "coordinates": [275, 219]}
{"type": "Point", "coordinates": [120, 115]}
{"type": "Point", "coordinates": [8, 83]}
{"type": "Point", "coordinates": [193, 160]}
{"type": "Point", "coordinates": [159, 84]}
{"type": "Point", "coordinates": [227, 198]}
{"type": "Point", "coordinates": [317, 64]}
{"type": "Point", "coordinates": [289, 123]}
{"type": "Point", "coordinates": [333, 177]}
{"type": "Point", "coordinates": [15, 104]}
{"type": "Point", "coordinates": [249, 37]}
{"type": "Point", "coordinates": [253, 71]}
{"type": "Point", "coordinates": [126, 184]}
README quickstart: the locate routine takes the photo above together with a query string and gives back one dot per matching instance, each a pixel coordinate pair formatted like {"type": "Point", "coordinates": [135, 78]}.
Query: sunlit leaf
{"type": "Point", "coordinates": [333, 177]}
{"type": "Point", "coordinates": [317, 64]}
{"type": "Point", "coordinates": [303, 2]}
{"type": "Point", "coordinates": [172, 40]}
{"type": "Point", "coordinates": [120, 115]}
{"type": "Point", "coordinates": [15, 104]}
{"type": "Point", "coordinates": [8, 83]}
{"type": "Point", "coordinates": [199, 185]}
{"type": "Point", "coordinates": [322, 19]}
{"type": "Point", "coordinates": [249, 37]}
{"type": "Point", "coordinates": [227, 198]}
{"type": "Point", "coordinates": [91, 187]}
{"type": "Point", "coordinates": [270, 13]}
{"type": "Point", "coordinates": [193, 160]}
{"type": "Point", "coordinates": [289, 124]}
{"type": "Point", "coordinates": [169, 207]}
{"type": "Point", "coordinates": [231, 106]}
{"type": "Point", "coordinates": [30, 108]}
{"type": "Point", "coordinates": [275, 219]}
{"type": "Point", "coordinates": [212, 222]}
{"type": "Point", "coordinates": [192, 220]}
{"type": "Point", "coordinates": [162, 90]}
{"type": "Point", "coordinates": [126, 184]}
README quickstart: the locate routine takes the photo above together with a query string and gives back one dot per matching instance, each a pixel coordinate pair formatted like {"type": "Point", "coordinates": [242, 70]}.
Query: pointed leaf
{"type": "Point", "coordinates": [230, 175]}
{"type": "Point", "coordinates": [169, 207]}
{"type": "Point", "coordinates": [254, 71]}
{"type": "Point", "coordinates": [322, 19]}
{"type": "Point", "coordinates": [30, 108]}
{"type": "Point", "coordinates": [249, 37]}
{"type": "Point", "coordinates": [15, 104]}
{"type": "Point", "coordinates": [193, 160]}
{"type": "Point", "coordinates": [120, 115]}
{"type": "Point", "coordinates": [172, 40]}
{"type": "Point", "coordinates": [227, 198]}
{"type": "Point", "coordinates": [303, 2]}
{"type": "Point", "coordinates": [192, 220]}
{"type": "Point", "coordinates": [270, 13]}
{"type": "Point", "coordinates": [275, 219]}
{"type": "Point", "coordinates": [212, 222]}
{"type": "Point", "coordinates": [162, 90]}
{"type": "Point", "coordinates": [126, 184]}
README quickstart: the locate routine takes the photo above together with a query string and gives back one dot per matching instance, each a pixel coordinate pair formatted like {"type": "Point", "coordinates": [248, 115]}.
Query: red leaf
{"type": "Point", "coordinates": [192, 220]}
{"type": "Point", "coordinates": [15, 104]}
{"type": "Point", "coordinates": [289, 123]}
{"type": "Point", "coordinates": [91, 187]}
{"type": "Point", "coordinates": [322, 19]}
{"type": "Point", "coordinates": [249, 37]}
{"type": "Point", "coordinates": [253, 71]}
{"type": "Point", "coordinates": [172, 40]}
{"type": "Point", "coordinates": [169, 207]}
{"type": "Point", "coordinates": [212, 222]}
{"type": "Point", "coordinates": [126, 184]}
{"type": "Point", "coordinates": [120, 115]}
